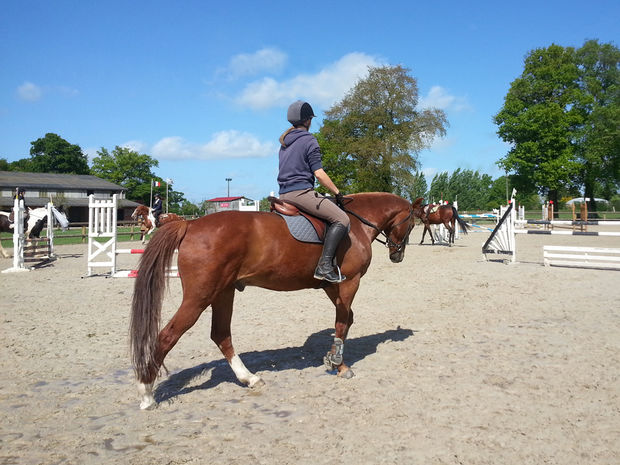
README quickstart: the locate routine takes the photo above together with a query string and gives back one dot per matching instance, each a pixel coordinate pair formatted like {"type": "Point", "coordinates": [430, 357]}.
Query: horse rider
{"type": "Point", "coordinates": [19, 194]}
{"type": "Point", "coordinates": [300, 164]}
{"type": "Point", "coordinates": [157, 208]}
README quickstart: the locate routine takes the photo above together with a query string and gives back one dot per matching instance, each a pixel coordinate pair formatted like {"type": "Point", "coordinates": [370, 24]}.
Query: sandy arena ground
{"type": "Point", "coordinates": [457, 361]}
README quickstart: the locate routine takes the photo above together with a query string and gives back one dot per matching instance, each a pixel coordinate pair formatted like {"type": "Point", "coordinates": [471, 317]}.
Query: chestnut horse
{"type": "Point", "coordinates": [444, 214]}
{"type": "Point", "coordinates": [226, 251]}
{"type": "Point", "coordinates": [148, 220]}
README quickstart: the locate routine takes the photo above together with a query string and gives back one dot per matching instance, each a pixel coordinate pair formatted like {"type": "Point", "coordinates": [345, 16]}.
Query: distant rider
{"type": "Point", "coordinates": [157, 209]}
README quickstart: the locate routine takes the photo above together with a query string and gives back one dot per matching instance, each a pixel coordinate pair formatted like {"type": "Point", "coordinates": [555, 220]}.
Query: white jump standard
{"type": "Point", "coordinates": [102, 239]}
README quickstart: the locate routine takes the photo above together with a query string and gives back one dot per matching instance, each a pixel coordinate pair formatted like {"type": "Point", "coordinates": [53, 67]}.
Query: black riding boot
{"type": "Point", "coordinates": [325, 269]}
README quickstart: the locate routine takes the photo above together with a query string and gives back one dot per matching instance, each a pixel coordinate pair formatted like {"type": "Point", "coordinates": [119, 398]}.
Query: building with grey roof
{"type": "Point", "coordinates": [70, 191]}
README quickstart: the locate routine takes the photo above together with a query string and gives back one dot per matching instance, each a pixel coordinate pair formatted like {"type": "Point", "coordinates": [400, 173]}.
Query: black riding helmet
{"type": "Point", "coordinates": [298, 112]}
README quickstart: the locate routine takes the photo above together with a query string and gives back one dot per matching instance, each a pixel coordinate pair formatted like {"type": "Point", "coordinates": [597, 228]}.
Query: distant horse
{"type": "Point", "coordinates": [37, 220]}
{"type": "Point", "coordinates": [443, 214]}
{"type": "Point", "coordinates": [6, 225]}
{"type": "Point", "coordinates": [226, 251]}
{"type": "Point", "coordinates": [148, 220]}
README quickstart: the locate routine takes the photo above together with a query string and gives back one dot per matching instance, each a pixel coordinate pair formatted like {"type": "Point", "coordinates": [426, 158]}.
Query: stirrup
{"type": "Point", "coordinates": [330, 275]}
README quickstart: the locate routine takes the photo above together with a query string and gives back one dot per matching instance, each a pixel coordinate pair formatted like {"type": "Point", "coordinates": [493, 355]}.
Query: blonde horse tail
{"type": "Point", "coordinates": [147, 299]}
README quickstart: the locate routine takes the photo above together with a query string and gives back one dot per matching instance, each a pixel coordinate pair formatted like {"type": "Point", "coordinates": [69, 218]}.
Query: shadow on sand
{"type": "Point", "coordinates": [309, 355]}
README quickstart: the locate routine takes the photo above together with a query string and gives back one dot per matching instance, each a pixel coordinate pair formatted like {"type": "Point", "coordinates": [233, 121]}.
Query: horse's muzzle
{"type": "Point", "coordinates": [397, 257]}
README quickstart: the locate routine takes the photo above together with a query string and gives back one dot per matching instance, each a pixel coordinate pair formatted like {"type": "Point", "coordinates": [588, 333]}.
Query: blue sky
{"type": "Point", "coordinates": [203, 87]}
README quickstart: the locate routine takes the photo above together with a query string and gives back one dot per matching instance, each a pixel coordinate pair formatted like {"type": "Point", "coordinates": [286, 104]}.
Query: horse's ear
{"type": "Point", "coordinates": [417, 202]}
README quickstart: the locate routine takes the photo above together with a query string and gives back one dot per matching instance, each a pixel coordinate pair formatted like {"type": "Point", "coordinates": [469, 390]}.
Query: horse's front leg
{"type": "Point", "coordinates": [220, 334]}
{"type": "Point", "coordinates": [342, 296]}
{"type": "Point", "coordinates": [424, 233]}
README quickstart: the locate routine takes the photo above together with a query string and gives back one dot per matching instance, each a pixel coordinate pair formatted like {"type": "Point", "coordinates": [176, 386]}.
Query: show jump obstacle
{"type": "Point", "coordinates": [502, 241]}
{"type": "Point", "coordinates": [102, 239]}
{"type": "Point", "coordinates": [31, 253]}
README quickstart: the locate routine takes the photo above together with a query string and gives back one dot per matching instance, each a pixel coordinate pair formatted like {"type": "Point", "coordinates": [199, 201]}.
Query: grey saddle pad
{"type": "Point", "coordinates": [301, 228]}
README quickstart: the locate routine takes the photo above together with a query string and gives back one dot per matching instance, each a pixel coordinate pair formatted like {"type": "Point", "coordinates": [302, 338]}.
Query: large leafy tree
{"type": "Point", "coordinates": [372, 137]}
{"type": "Point", "coordinates": [53, 154]}
{"type": "Point", "coordinates": [561, 117]}
{"type": "Point", "coordinates": [598, 139]}
{"type": "Point", "coordinates": [127, 168]}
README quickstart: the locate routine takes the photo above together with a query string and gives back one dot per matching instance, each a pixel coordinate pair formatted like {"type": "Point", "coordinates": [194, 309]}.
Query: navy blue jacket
{"type": "Point", "coordinates": [300, 157]}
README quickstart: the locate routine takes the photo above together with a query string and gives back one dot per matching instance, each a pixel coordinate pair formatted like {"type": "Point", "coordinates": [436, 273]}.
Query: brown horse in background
{"type": "Point", "coordinates": [444, 214]}
{"type": "Point", "coordinates": [226, 251]}
{"type": "Point", "coordinates": [147, 220]}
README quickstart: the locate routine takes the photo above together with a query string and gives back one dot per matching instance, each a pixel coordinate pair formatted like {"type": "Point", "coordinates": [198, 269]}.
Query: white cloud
{"type": "Point", "coordinates": [322, 89]}
{"type": "Point", "coordinates": [29, 92]}
{"type": "Point", "coordinates": [264, 60]}
{"type": "Point", "coordinates": [67, 91]}
{"type": "Point", "coordinates": [438, 97]}
{"type": "Point", "coordinates": [90, 153]}
{"type": "Point", "coordinates": [225, 144]}
{"type": "Point", "coordinates": [135, 145]}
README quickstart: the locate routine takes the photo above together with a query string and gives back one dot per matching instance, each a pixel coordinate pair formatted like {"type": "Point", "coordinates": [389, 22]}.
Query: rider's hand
{"type": "Point", "coordinates": [340, 200]}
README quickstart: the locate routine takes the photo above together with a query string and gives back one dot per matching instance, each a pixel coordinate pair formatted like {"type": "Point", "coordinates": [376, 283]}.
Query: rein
{"type": "Point", "coordinates": [388, 242]}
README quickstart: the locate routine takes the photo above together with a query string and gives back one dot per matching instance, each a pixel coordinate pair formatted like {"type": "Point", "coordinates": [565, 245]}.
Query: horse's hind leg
{"type": "Point", "coordinates": [220, 334]}
{"type": "Point", "coordinates": [450, 229]}
{"type": "Point", "coordinates": [183, 319]}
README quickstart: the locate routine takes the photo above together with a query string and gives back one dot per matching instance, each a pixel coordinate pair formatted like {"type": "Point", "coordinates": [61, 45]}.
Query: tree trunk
{"type": "Point", "coordinates": [589, 193]}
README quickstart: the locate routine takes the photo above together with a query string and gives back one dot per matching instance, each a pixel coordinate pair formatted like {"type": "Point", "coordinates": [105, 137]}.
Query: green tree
{"type": "Point", "coordinates": [4, 165]}
{"type": "Point", "coordinates": [539, 118]}
{"type": "Point", "coordinates": [53, 154]}
{"type": "Point", "coordinates": [439, 189]}
{"type": "Point", "coordinates": [188, 208]}
{"type": "Point", "coordinates": [176, 200]}
{"type": "Point", "coordinates": [340, 166]}
{"type": "Point", "coordinates": [264, 205]}
{"type": "Point", "coordinates": [470, 188]}
{"type": "Point", "coordinates": [128, 169]}
{"type": "Point", "coordinates": [598, 139]}
{"type": "Point", "coordinates": [375, 133]}
{"type": "Point", "coordinates": [417, 188]}
{"type": "Point", "coordinates": [562, 117]}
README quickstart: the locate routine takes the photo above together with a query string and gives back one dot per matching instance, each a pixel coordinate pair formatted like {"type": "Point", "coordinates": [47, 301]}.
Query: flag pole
{"type": "Point", "coordinates": [151, 196]}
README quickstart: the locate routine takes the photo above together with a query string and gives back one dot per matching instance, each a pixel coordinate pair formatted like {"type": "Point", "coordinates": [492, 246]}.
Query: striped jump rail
{"type": "Point", "coordinates": [171, 273]}
{"type": "Point", "coordinates": [133, 251]}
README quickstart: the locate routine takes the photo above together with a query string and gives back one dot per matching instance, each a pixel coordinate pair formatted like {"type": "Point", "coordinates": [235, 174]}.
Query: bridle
{"type": "Point", "coordinates": [388, 242]}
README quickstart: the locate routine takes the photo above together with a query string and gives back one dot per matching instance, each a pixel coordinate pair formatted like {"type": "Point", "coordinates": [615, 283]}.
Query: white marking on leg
{"type": "Point", "coordinates": [244, 375]}
{"type": "Point", "coordinates": [146, 393]}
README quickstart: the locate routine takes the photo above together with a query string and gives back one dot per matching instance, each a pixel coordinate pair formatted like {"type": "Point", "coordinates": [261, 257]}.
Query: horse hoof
{"type": "Point", "coordinates": [346, 374]}
{"type": "Point", "coordinates": [146, 393]}
{"type": "Point", "coordinates": [256, 383]}
{"type": "Point", "coordinates": [148, 405]}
